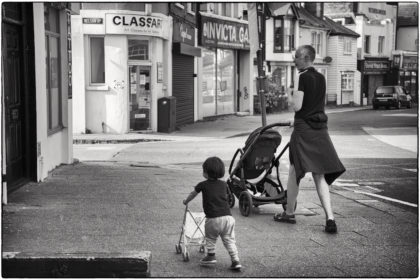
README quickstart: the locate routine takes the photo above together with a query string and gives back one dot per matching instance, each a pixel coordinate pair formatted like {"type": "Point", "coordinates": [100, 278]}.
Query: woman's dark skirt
{"type": "Point", "coordinates": [311, 150]}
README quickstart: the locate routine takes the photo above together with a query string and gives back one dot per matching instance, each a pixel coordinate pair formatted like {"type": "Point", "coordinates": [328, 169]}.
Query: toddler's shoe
{"type": "Point", "coordinates": [236, 265]}
{"type": "Point", "coordinates": [285, 218]}
{"type": "Point", "coordinates": [209, 259]}
{"type": "Point", "coordinates": [331, 227]}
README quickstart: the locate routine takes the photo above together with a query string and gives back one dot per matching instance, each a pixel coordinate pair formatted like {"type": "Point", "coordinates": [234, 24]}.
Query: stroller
{"type": "Point", "coordinates": [250, 181]}
{"type": "Point", "coordinates": [192, 233]}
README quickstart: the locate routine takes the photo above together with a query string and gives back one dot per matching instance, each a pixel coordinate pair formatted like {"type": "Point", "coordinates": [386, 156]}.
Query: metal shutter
{"type": "Point", "coordinates": [183, 88]}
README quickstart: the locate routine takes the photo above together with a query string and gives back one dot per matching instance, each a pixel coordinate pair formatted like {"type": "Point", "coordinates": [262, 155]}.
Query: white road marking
{"type": "Point", "coordinates": [393, 136]}
{"type": "Point", "coordinates": [399, 115]}
{"type": "Point", "coordinates": [388, 198]}
{"type": "Point", "coordinates": [412, 170]}
{"type": "Point", "coordinates": [338, 184]}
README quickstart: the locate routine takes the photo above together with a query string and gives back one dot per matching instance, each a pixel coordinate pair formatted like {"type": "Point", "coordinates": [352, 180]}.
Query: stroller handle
{"type": "Point", "coordinates": [267, 127]}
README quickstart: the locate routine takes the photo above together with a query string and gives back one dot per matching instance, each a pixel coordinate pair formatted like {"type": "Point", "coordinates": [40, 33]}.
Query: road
{"type": "Point", "coordinates": [378, 148]}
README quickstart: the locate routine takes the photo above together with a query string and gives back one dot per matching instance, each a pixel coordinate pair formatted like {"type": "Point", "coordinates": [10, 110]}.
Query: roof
{"type": "Point", "coordinates": [279, 8]}
{"type": "Point", "coordinates": [306, 18]}
{"type": "Point", "coordinates": [338, 29]}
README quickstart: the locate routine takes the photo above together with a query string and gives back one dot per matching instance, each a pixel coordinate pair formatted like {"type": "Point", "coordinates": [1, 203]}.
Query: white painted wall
{"type": "Point", "coordinates": [55, 147]}
{"type": "Point", "coordinates": [406, 38]}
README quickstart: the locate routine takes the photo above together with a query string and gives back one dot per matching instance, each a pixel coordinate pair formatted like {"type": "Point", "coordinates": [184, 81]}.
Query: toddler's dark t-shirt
{"type": "Point", "coordinates": [215, 201]}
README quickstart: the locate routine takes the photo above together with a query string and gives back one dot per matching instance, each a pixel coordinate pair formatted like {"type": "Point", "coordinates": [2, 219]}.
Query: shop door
{"type": "Point", "coordinates": [374, 82]}
{"type": "Point", "coordinates": [225, 82]}
{"type": "Point", "coordinates": [139, 97]}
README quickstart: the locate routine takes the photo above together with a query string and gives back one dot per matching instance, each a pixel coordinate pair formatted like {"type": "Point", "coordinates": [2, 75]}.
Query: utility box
{"type": "Point", "coordinates": [167, 114]}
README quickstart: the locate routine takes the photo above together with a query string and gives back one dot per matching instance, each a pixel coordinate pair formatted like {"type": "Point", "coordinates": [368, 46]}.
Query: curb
{"type": "Point", "coordinates": [76, 265]}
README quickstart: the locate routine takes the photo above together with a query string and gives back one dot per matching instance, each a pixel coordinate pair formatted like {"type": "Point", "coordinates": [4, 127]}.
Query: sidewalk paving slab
{"type": "Point", "coordinates": [115, 208]}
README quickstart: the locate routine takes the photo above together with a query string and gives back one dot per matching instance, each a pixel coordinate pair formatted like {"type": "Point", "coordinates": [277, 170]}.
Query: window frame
{"type": "Point", "coordinates": [91, 84]}
{"type": "Point", "coordinates": [381, 44]}
{"type": "Point", "coordinates": [347, 46]}
{"type": "Point", "coordinates": [349, 76]}
{"type": "Point", "coordinates": [189, 9]}
{"type": "Point", "coordinates": [366, 45]}
{"type": "Point", "coordinates": [58, 36]}
{"type": "Point", "coordinates": [317, 45]}
{"type": "Point", "coordinates": [290, 36]}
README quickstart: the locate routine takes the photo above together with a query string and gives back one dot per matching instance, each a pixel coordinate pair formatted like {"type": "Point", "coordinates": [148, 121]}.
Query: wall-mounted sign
{"type": "Point", "coordinates": [93, 20]}
{"type": "Point", "coordinates": [183, 33]}
{"type": "Point", "coordinates": [410, 62]}
{"type": "Point", "coordinates": [377, 11]}
{"type": "Point", "coordinates": [136, 25]}
{"type": "Point", "coordinates": [221, 33]}
{"type": "Point", "coordinates": [159, 72]}
{"type": "Point", "coordinates": [376, 66]}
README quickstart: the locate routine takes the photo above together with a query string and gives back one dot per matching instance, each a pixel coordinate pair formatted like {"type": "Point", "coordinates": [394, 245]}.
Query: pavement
{"type": "Point", "coordinates": [114, 207]}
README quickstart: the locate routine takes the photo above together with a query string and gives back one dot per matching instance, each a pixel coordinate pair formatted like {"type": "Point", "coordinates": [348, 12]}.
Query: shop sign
{"type": "Point", "coordinates": [136, 25]}
{"type": "Point", "coordinates": [221, 33]}
{"type": "Point", "coordinates": [159, 68]}
{"type": "Point", "coordinates": [376, 66]}
{"type": "Point", "coordinates": [183, 33]}
{"type": "Point", "coordinates": [409, 62]}
{"type": "Point", "coordinates": [93, 20]}
{"type": "Point", "coordinates": [377, 11]}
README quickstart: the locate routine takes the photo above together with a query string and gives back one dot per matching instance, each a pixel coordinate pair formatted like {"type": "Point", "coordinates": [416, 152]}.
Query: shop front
{"type": "Point", "coordinates": [374, 74]}
{"type": "Point", "coordinates": [125, 71]}
{"type": "Point", "coordinates": [405, 68]}
{"type": "Point", "coordinates": [225, 58]}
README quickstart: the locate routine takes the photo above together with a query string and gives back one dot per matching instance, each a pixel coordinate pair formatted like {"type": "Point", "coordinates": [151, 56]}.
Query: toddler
{"type": "Point", "coordinates": [219, 220]}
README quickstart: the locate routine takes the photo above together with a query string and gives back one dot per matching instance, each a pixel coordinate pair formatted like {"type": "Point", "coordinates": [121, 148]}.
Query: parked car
{"type": "Point", "coordinates": [391, 96]}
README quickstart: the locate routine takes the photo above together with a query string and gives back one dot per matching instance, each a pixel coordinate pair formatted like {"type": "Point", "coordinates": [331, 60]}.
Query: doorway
{"type": "Point", "coordinates": [19, 97]}
{"type": "Point", "coordinates": [139, 97]}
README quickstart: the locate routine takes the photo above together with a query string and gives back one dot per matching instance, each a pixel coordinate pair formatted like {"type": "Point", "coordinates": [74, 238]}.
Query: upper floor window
{"type": "Point", "coordinates": [316, 41]}
{"type": "Point", "coordinates": [367, 44]}
{"type": "Point", "coordinates": [53, 66]}
{"type": "Point", "coordinates": [381, 41]}
{"type": "Point", "coordinates": [226, 9]}
{"type": "Point", "coordinates": [97, 58]}
{"type": "Point", "coordinates": [347, 46]}
{"type": "Point", "coordinates": [191, 8]}
{"type": "Point", "coordinates": [284, 35]}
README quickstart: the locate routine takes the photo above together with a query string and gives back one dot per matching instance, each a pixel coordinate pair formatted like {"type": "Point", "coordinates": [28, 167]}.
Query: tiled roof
{"type": "Point", "coordinates": [278, 8]}
{"type": "Point", "coordinates": [338, 29]}
{"type": "Point", "coordinates": [309, 19]}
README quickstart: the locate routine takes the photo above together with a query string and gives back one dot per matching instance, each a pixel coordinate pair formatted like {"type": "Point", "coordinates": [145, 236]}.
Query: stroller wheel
{"type": "Point", "coordinates": [231, 200]}
{"type": "Point", "coordinates": [201, 249]}
{"type": "Point", "coordinates": [245, 203]}
{"type": "Point", "coordinates": [284, 206]}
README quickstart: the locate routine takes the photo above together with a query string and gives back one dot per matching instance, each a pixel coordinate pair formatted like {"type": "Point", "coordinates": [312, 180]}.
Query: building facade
{"type": "Point", "coordinates": [225, 66]}
{"type": "Point", "coordinates": [375, 22]}
{"type": "Point", "coordinates": [37, 99]}
{"type": "Point", "coordinates": [122, 65]}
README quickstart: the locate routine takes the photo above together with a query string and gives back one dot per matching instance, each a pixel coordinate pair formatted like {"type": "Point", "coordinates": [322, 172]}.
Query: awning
{"type": "Point", "coordinates": [185, 49]}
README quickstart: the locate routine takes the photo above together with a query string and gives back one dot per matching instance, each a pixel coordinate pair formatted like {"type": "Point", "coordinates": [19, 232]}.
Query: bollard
{"type": "Point", "coordinates": [76, 265]}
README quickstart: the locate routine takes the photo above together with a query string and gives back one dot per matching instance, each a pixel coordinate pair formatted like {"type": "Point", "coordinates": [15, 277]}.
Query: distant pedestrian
{"type": "Point", "coordinates": [219, 220]}
{"type": "Point", "coordinates": [311, 148]}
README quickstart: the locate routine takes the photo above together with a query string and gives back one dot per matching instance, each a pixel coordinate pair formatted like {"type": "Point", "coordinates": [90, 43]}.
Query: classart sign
{"type": "Point", "coordinates": [136, 25]}
{"type": "Point", "coordinates": [222, 33]}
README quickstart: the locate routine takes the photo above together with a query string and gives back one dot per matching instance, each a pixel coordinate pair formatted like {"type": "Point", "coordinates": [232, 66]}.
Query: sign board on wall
{"type": "Point", "coordinates": [159, 72]}
{"type": "Point", "coordinates": [183, 33]}
{"type": "Point", "coordinates": [132, 24]}
{"type": "Point", "coordinates": [222, 33]}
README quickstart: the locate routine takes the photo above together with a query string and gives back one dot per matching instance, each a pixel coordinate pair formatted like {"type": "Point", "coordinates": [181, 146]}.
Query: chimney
{"type": "Point", "coordinates": [315, 8]}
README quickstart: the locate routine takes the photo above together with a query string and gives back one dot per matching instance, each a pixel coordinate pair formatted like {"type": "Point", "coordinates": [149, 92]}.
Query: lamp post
{"type": "Point", "coordinates": [261, 79]}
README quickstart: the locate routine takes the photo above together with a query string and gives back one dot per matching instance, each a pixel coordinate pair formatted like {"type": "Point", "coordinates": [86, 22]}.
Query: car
{"type": "Point", "coordinates": [391, 96]}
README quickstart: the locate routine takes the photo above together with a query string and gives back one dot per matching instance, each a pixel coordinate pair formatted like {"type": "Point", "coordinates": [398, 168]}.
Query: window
{"type": "Point", "coordinates": [97, 60]}
{"type": "Point", "coordinates": [316, 41]}
{"type": "Point", "coordinates": [53, 64]}
{"type": "Point", "coordinates": [179, 5]}
{"type": "Point", "coordinates": [191, 8]}
{"type": "Point", "coordinates": [381, 40]}
{"type": "Point", "coordinates": [347, 81]}
{"type": "Point", "coordinates": [367, 44]}
{"type": "Point", "coordinates": [138, 49]}
{"type": "Point", "coordinates": [284, 35]}
{"type": "Point", "coordinates": [347, 46]}
{"type": "Point", "coordinates": [227, 9]}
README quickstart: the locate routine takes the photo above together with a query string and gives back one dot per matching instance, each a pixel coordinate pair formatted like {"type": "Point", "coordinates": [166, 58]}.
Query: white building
{"type": "Point", "coordinates": [37, 101]}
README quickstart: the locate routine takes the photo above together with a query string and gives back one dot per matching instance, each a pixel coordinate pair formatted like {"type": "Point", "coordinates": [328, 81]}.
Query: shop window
{"type": "Point", "coordinates": [97, 60]}
{"type": "Point", "coordinates": [347, 46]}
{"type": "Point", "coordinates": [53, 64]}
{"type": "Point", "coordinates": [138, 49]}
{"type": "Point", "coordinates": [347, 81]}
{"type": "Point", "coordinates": [367, 44]}
{"type": "Point", "coordinates": [284, 35]}
{"type": "Point", "coordinates": [316, 41]}
{"type": "Point", "coordinates": [381, 41]}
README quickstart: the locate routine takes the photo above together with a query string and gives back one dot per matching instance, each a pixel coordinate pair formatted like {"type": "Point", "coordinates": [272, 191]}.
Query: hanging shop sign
{"type": "Point", "coordinates": [410, 62]}
{"type": "Point", "coordinates": [183, 33]}
{"type": "Point", "coordinates": [222, 33]}
{"type": "Point", "coordinates": [136, 25]}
